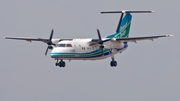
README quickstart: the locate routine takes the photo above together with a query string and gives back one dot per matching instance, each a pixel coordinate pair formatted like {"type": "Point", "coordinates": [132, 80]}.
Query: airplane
{"type": "Point", "coordinates": [93, 49]}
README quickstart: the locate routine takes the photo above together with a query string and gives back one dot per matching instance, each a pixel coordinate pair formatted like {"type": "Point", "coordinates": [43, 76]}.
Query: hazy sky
{"type": "Point", "coordinates": [146, 71]}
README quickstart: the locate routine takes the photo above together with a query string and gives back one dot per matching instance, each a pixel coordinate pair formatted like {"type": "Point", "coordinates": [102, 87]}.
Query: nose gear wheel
{"type": "Point", "coordinates": [60, 64]}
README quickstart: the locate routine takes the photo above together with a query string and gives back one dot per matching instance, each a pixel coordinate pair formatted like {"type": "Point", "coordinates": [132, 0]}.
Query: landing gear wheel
{"type": "Point", "coordinates": [61, 64]}
{"type": "Point", "coordinates": [113, 63]}
{"type": "Point", "coordinates": [56, 64]}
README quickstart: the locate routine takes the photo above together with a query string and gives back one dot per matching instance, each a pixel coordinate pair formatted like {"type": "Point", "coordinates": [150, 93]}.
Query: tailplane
{"type": "Point", "coordinates": [124, 25]}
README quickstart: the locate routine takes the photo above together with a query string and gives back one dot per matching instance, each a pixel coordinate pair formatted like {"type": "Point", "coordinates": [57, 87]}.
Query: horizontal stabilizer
{"type": "Point", "coordinates": [126, 11]}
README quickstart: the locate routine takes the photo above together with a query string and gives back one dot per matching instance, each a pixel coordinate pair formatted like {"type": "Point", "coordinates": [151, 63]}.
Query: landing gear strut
{"type": "Point", "coordinates": [113, 63]}
{"type": "Point", "coordinates": [61, 63]}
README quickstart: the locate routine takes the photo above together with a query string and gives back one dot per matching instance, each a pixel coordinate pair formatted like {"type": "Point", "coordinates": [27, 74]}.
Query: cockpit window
{"type": "Point", "coordinates": [68, 45]}
{"type": "Point", "coordinates": [64, 45]}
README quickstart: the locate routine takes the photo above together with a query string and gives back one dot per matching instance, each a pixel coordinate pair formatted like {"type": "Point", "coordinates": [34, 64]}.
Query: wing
{"type": "Point", "coordinates": [135, 39]}
{"type": "Point", "coordinates": [55, 41]}
{"type": "Point", "coordinates": [129, 39]}
{"type": "Point", "coordinates": [27, 39]}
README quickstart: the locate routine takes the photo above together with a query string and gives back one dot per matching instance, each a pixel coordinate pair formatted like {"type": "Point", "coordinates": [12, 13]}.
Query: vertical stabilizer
{"type": "Point", "coordinates": [123, 27]}
{"type": "Point", "coordinates": [124, 23]}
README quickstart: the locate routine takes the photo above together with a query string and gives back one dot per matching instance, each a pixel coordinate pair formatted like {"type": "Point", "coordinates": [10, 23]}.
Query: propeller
{"type": "Point", "coordinates": [100, 41]}
{"type": "Point", "coordinates": [49, 42]}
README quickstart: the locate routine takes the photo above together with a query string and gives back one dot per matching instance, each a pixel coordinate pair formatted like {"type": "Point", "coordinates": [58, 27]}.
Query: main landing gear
{"type": "Point", "coordinates": [61, 63]}
{"type": "Point", "coordinates": [113, 63]}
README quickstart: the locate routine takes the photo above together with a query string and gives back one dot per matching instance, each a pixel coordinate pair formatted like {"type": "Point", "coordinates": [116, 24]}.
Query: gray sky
{"type": "Point", "coordinates": [146, 71]}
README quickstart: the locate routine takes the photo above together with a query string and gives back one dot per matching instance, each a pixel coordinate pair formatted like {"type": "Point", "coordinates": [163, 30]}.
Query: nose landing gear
{"type": "Point", "coordinates": [61, 63]}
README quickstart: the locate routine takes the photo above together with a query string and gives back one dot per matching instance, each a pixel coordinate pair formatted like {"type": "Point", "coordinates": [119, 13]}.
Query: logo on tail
{"type": "Point", "coordinates": [124, 29]}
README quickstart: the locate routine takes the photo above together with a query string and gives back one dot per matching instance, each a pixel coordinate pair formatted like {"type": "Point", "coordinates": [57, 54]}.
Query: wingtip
{"type": "Point", "coordinates": [7, 37]}
{"type": "Point", "coordinates": [169, 35]}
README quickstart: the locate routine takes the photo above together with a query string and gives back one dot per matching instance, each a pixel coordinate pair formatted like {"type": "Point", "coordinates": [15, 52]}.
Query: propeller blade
{"type": "Point", "coordinates": [46, 51]}
{"type": "Point", "coordinates": [100, 41]}
{"type": "Point", "coordinates": [50, 38]}
{"type": "Point", "coordinates": [49, 42]}
{"type": "Point", "coordinates": [99, 35]}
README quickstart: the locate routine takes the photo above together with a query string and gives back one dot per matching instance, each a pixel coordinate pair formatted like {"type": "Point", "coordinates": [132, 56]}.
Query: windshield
{"type": "Point", "coordinates": [64, 45]}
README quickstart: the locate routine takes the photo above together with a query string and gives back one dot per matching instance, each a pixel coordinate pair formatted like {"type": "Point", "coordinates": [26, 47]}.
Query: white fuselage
{"type": "Point", "coordinates": [80, 49]}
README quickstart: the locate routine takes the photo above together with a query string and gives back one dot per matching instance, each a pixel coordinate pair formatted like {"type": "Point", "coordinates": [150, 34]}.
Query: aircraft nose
{"type": "Point", "coordinates": [54, 52]}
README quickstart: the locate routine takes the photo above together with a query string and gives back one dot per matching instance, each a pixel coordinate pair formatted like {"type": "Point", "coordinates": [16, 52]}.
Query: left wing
{"type": "Point", "coordinates": [135, 39]}
{"type": "Point", "coordinates": [129, 39]}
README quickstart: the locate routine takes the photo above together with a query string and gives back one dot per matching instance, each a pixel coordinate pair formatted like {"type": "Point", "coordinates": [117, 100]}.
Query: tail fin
{"type": "Point", "coordinates": [123, 28]}
{"type": "Point", "coordinates": [124, 24]}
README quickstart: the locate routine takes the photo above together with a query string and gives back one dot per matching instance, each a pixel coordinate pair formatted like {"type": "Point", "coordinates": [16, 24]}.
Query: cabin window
{"type": "Point", "coordinates": [68, 45]}
{"type": "Point", "coordinates": [83, 48]}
